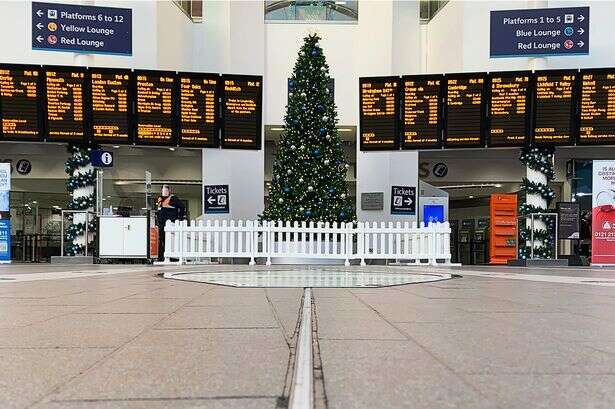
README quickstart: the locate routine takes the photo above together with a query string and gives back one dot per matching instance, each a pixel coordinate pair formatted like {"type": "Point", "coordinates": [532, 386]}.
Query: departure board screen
{"type": "Point", "coordinates": [597, 111]}
{"type": "Point", "coordinates": [155, 112]}
{"type": "Point", "coordinates": [198, 113]}
{"type": "Point", "coordinates": [554, 107]}
{"type": "Point", "coordinates": [464, 110]}
{"type": "Point", "coordinates": [509, 109]}
{"type": "Point", "coordinates": [379, 111]}
{"type": "Point", "coordinates": [421, 112]}
{"type": "Point", "coordinates": [242, 111]}
{"type": "Point", "coordinates": [19, 107]}
{"type": "Point", "coordinates": [65, 94]}
{"type": "Point", "coordinates": [110, 109]}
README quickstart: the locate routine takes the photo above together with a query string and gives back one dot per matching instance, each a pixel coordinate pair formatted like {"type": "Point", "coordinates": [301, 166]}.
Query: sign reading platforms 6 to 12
{"type": "Point", "coordinates": [539, 32]}
{"type": "Point", "coordinates": [89, 29]}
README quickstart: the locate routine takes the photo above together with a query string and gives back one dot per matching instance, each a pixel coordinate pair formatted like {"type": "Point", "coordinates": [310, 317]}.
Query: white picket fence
{"type": "Point", "coordinates": [200, 241]}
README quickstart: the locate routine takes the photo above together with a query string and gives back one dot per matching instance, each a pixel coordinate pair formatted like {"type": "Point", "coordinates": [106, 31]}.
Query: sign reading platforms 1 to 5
{"type": "Point", "coordinates": [68, 27]}
{"type": "Point", "coordinates": [597, 116]}
{"type": "Point", "coordinates": [19, 94]}
{"type": "Point", "coordinates": [552, 31]}
{"type": "Point", "coordinates": [379, 109]}
{"type": "Point", "coordinates": [215, 199]}
{"type": "Point", "coordinates": [241, 111]}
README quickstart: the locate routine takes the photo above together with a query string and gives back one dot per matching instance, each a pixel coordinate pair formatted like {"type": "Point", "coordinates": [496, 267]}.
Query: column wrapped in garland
{"type": "Point", "coordinates": [80, 184]}
{"type": "Point", "coordinates": [538, 196]}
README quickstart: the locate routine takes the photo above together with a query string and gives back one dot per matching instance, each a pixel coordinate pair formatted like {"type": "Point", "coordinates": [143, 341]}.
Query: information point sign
{"type": "Point", "coordinates": [539, 32]}
{"type": "Point", "coordinates": [89, 29]}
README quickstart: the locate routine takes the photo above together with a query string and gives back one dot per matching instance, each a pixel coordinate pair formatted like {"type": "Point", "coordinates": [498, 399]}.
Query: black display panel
{"type": "Point", "coordinates": [597, 107]}
{"type": "Point", "coordinates": [464, 110]}
{"type": "Point", "coordinates": [379, 113]}
{"type": "Point", "coordinates": [554, 106]}
{"type": "Point", "coordinates": [65, 91]}
{"type": "Point", "coordinates": [110, 108]}
{"type": "Point", "coordinates": [199, 110]}
{"type": "Point", "coordinates": [509, 108]}
{"type": "Point", "coordinates": [422, 112]}
{"type": "Point", "coordinates": [20, 91]}
{"type": "Point", "coordinates": [242, 111]}
{"type": "Point", "coordinates": [155, 109]}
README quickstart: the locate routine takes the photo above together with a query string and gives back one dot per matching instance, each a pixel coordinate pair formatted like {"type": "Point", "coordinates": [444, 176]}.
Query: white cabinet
{"type": "Point", "coordinates": [121, 237]}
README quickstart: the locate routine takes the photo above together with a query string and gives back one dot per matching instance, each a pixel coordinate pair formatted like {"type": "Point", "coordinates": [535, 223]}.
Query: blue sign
{"type": "Point", "coordinates": [101, 159]}
{"type": "Point", "coordinates": [539, 32]}
{"type": "Point", "coordinates": [433, 213]}
{"type": "Point", "coordinates": [82, 29]}
{"type": "Point", "coordinates": [5, 240]}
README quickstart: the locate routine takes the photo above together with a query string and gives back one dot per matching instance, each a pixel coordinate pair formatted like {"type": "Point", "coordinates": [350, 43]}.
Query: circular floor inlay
{"type": "Point", "coordinates": [308, 278]}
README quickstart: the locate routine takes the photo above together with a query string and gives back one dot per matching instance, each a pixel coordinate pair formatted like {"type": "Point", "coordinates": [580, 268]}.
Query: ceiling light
{"type": "Point", "coordinates": [498, 185]}
{"type": "Point", "coordinates": [470, 197]}
{"type": "Point", "coordinates": [276, 129]}
{"type": "Point", "coordinates": [344, 129]}
{"type": "Point", "coordinates": [172, 149]}
{"type": "Point", "coordinates": [116, 146]}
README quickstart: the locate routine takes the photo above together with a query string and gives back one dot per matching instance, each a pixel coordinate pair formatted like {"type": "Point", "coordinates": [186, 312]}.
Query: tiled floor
{"type": "Point", "coordinates": [123, 337]}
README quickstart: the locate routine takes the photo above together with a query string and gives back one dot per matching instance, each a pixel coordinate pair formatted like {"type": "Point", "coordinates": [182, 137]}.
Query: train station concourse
{"type": "Point", "coordinates": [307, 204]}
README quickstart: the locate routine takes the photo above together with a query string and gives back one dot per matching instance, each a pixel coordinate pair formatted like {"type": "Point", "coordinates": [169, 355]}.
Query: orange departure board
{"type": "Point", "coordinates": [464, 110]}
{"type": "Point", "coordinates": [242, 111]}
{"type": "Point", "coordinates": [379, 113]}
{"type": "Point", "coordinates": [198, 112]}
{"type": "Point", "coordinates": [421, 112]}
{"type": "Point", "coordinates": [597, 107]}
{"type": "Point", "coordinates": [155, 111]}
{"type": "Point", "coordinates": [65, 95]}
{"type": "Point", "coordinates": [509, 119]}
{"type": "Point", "coordinates": [554, 106]}
{"type": "Point", "coordinates": [19, 103]}
{"type": "Point", "coordinates": [110, 107]}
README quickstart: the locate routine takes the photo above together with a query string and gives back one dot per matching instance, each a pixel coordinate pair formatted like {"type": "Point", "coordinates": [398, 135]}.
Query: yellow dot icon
{"type": "Point", "coordinates": [52, 26]}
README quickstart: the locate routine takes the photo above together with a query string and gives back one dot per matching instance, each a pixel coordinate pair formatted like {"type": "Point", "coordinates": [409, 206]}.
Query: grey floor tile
{"type": "Point", "coordinates": [220, 402]}
{"type": "Point", "coordinates": [548, 391]}
{"type": "Point", "coordinates": [137, 306]}
{"type": "Point", "coordinates": [220, 317]}
{"type": "Point", "coordinates": [27, 375]}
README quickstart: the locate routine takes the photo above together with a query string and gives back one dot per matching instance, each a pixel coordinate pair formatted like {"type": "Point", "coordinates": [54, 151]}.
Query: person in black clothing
{"type": "Point", "coordinates": [169, 208]}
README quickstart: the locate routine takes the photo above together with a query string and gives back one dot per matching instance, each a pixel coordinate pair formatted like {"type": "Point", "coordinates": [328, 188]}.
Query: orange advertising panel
{"type": "Point", "coordinates": [503, 228]}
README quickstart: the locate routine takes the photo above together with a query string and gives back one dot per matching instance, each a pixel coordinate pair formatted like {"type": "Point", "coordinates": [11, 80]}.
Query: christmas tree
{"type": "Point", "coordinates": [309, 169]}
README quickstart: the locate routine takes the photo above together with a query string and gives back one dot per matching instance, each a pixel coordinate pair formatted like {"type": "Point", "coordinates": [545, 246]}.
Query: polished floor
{"type": "Point", "coordinates": [124, 337]}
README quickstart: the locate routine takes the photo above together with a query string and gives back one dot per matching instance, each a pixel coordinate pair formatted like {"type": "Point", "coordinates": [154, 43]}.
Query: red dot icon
{"type": "Point", "coordinates": [52, 39]}
{"type": "Point", "coordinates": [568, 44]}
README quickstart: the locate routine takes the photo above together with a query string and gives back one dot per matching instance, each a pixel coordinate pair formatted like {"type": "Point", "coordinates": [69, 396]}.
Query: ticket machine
{"type": "Point", "coordinates": [466, 233]}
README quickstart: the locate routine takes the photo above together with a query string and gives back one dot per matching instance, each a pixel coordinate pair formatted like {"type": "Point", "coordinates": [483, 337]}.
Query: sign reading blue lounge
{"type": "Point", "coordinates": [539, 32]}
{"type": "Point", "coordinates": [87, 29]}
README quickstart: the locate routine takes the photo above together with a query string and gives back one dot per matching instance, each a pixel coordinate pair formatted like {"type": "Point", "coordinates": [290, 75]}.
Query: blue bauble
{"type": "Point", "coordinates": [342, 215]}
{"type": "Point", "coordinates": [332, 190]}
{"type": "Point", "coordinates": [288, 209]}
{"type": "Point", "coordinates": [286, 189]}
{"type": "Point", "coordinates": [308, 213]}
{"type": "Point", "coordinates": [323, 131]}
{"type": "Point", "coordinates": [291, 84]}
{"type": "Point", "coordinates": [316, 152]}
{"type": "Point", "coordinates": [320, 108]}
{"type": "Point", "coordinates": [303, 108]}
{"type": "Point", "coordinates": [314, 52]}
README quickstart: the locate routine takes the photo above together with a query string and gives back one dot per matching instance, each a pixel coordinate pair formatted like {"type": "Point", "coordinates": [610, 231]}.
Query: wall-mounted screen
{"type": "Point", "coordinates": [597, 107]}
{"type": "Point", "coordinates": [509, 119]}
{"type": "Point", "coordinates": [111, 105]}
{"type": "Point", "coordinates": [379, 113]}
{"type": "Point", "coordinates": [464, 110]}
{"type": "Point", "coordinates": [64, 104]}
{"type": "Point", "coordinates": [554, 106]}
{"type": "Point", "coordinates": [155, 110]}
{"type": "Point", "coordinates": [20, 91]}
{"type": "Point", "coordinates": [198, 111]}
{"type": "Point", "coordinates": [242, 111]}
{"type": "Point", "coordinates": [421, 112]}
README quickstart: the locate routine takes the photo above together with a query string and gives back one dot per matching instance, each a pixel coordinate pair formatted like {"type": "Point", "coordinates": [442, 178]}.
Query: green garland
{"type": "Point", "coordinates": [80, 158]}
{"type": "Point", "coordinates": [539, 160]}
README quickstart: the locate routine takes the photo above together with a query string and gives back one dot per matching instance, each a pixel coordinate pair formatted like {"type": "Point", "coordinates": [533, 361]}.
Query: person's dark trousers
{"type": "Point", "coordinates": [160, 243]}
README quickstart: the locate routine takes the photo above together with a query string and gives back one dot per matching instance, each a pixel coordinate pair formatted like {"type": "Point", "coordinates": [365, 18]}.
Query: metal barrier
{"type": "Point", "coordinates": [198, 241]}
